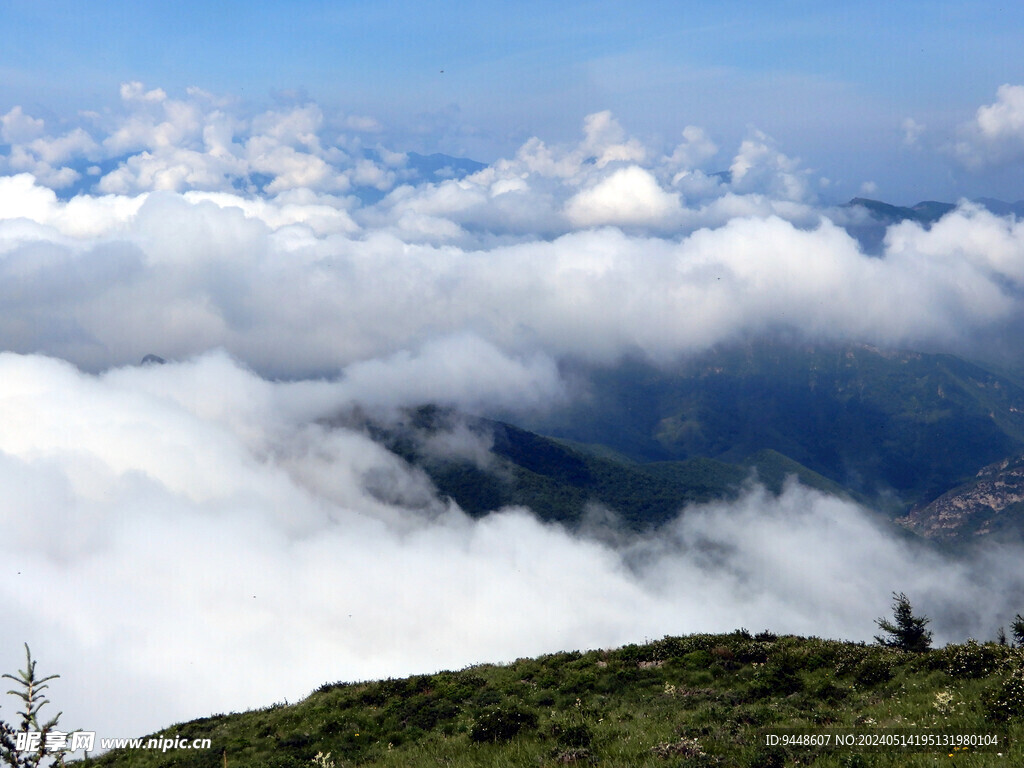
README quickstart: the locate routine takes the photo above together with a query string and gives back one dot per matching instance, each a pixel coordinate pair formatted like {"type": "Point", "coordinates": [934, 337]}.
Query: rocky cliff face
{"type": "Point", "coordinates": [991, 503]}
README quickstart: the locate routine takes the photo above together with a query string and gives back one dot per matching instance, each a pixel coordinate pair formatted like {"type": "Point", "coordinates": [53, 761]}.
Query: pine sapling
{"type": "Point", "coordinates": [30, 691]}
{"type": "Point", "coordinates": [1017, 629]}
{"type": "Point", "coordinates": [908, 631]}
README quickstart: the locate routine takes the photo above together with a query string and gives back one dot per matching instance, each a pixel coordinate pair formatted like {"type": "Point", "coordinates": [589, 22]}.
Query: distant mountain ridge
{"type": "Point", "coordinates": [925, 212]}
{"type": "Point", "coordinates": [901, 428]}
{"type": "Point", "coordinates": [871, 233]}
{"type": "Point", "coordinates": [930, 211]}
{"type": "Point", "coordinates": [898, 431]}
{"type": "Point", "coordinates": [991, 503]}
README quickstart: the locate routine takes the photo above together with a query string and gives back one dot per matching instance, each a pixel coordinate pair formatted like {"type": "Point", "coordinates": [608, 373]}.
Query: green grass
{"type": "Point", "coordinates": [701, 700]}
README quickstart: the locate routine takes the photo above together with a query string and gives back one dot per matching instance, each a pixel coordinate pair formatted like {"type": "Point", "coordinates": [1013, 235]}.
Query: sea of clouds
{"type": "Point", "coordinates": [205, 536]}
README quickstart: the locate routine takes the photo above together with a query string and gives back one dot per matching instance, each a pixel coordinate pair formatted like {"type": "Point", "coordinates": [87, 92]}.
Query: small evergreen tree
{"type": "Point", "coordinates": [1017, 628]}
{"type": "Point", "coordinates": [30, 691]}
{"type": "Point", "coordinates": [908, 631]}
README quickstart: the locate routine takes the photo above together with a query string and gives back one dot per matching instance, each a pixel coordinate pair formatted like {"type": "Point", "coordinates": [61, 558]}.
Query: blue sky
{"type": "Point", "coordinates": [831, 83]}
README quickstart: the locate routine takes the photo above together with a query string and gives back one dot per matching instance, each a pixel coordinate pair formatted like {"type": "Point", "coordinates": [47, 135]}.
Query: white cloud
{"type": "Point", "coordinates": [630, 196]}
{"type": "Point", "coordinates": [321, 214]}
{"type": "Point", "coordinates": [969, 239]}
{"type": "Point", "coordinates": [174, 124]}
{"type": "Point", "coordinates": [22, 197]}
{"type": "Point", "coordinates": [759, 166]}
{"type": "Point", "coordinates": [195, 143]}
{"type": "Point", "coordinates": [996, 135]}
{"type": "Point", "coordinates": [363, 124]}
{"type": "Point", "coordinates": [1005, 118]}
{"type": "Point", "coordinates": [912, 131]}
{"type": "Point", "coordinates": [460, 370]}
{"type": "Point", "coordinates": [75, 143]}
{"type": "Point", "coordinates": [42, 156]}
{"type": "Point", "coordinates": [172, 170]}
{"type": "Point", "coordinates": [605, 141]}
{"type": "Point", "coordinates": [287, 283]}
{"type": "Point", "coordinates": [17, 128]}
{"type": "Point", "coordinates": [136, 91]}
{"type": "Point", "coordinates": [298, 127]}
{"type": "Point", "coordinates": [696, 149]}
{"type": "Point", "coordinates": [369, 174]}
{"type": "Point", "coordinates": [205, 143]}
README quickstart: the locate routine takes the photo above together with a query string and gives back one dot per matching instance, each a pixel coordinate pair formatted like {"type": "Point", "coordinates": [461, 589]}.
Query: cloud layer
{"type": "Point", "coordinates": [189, 538]}
{"type": "Point", "coordinates": [205, 228]}
{"type": "Point", "coordinates": [298, 287]}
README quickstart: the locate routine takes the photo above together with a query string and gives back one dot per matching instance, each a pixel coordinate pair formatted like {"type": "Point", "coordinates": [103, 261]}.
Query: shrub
{"type": "Point", "coordinates": [1005, 699]}
{"type": "Point", "coordinates": [697, 660]}
{"type": "Point", "coordinates": [723, 654]}
{"type": "Point", "coordinates": [671, 647]}
{"type": "Point", "coordinates": [827, 691]}
{"type": "Point", "coordinates": [768, 757]}
{"type": "Point", "coordinates": [847, 658]}
{"type": "Point", "coordinates": [752, 652]}
{"type": "Point", "coordinates": [574, 735]}
{"type": "Point", "coordinates": [502, 724]}
{"type": "Point", "coordinates": [873, 670]}
{"type": "Point", "coordinates": [578, 682]}
{"type": "Point", "coordinates": [972, 660]}
{"type": "Point", "coordinates": [779, 677]}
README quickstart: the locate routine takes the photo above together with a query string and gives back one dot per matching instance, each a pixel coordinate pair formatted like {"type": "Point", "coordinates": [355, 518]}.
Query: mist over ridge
{"type": "Point", "coordinates": [209, 535]}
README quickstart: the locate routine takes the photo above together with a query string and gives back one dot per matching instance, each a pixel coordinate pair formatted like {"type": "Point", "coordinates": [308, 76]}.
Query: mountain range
{"type": "Point", "coordinates": [906, 433]}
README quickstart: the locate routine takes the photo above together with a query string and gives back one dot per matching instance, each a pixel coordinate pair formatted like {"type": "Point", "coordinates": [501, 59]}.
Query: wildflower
{"type": "Point", "coordinates": [943, 702]}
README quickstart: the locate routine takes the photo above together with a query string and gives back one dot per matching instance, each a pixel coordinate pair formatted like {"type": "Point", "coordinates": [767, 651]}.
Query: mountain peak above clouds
{"type": "Point", "coordinates": [876, 216]}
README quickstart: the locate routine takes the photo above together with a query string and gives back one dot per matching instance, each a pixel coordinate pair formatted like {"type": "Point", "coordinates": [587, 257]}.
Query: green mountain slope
{"type": "Point", "coordinates": [702, 700]}
{"type": "Point", "coordinates": [880, 423]}
{"type": "Point", "coordinates": [558, 480]}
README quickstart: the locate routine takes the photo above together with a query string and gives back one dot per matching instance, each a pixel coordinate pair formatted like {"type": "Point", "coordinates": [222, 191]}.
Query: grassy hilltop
{"type": "Point", "coordinates": [701, 700]}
